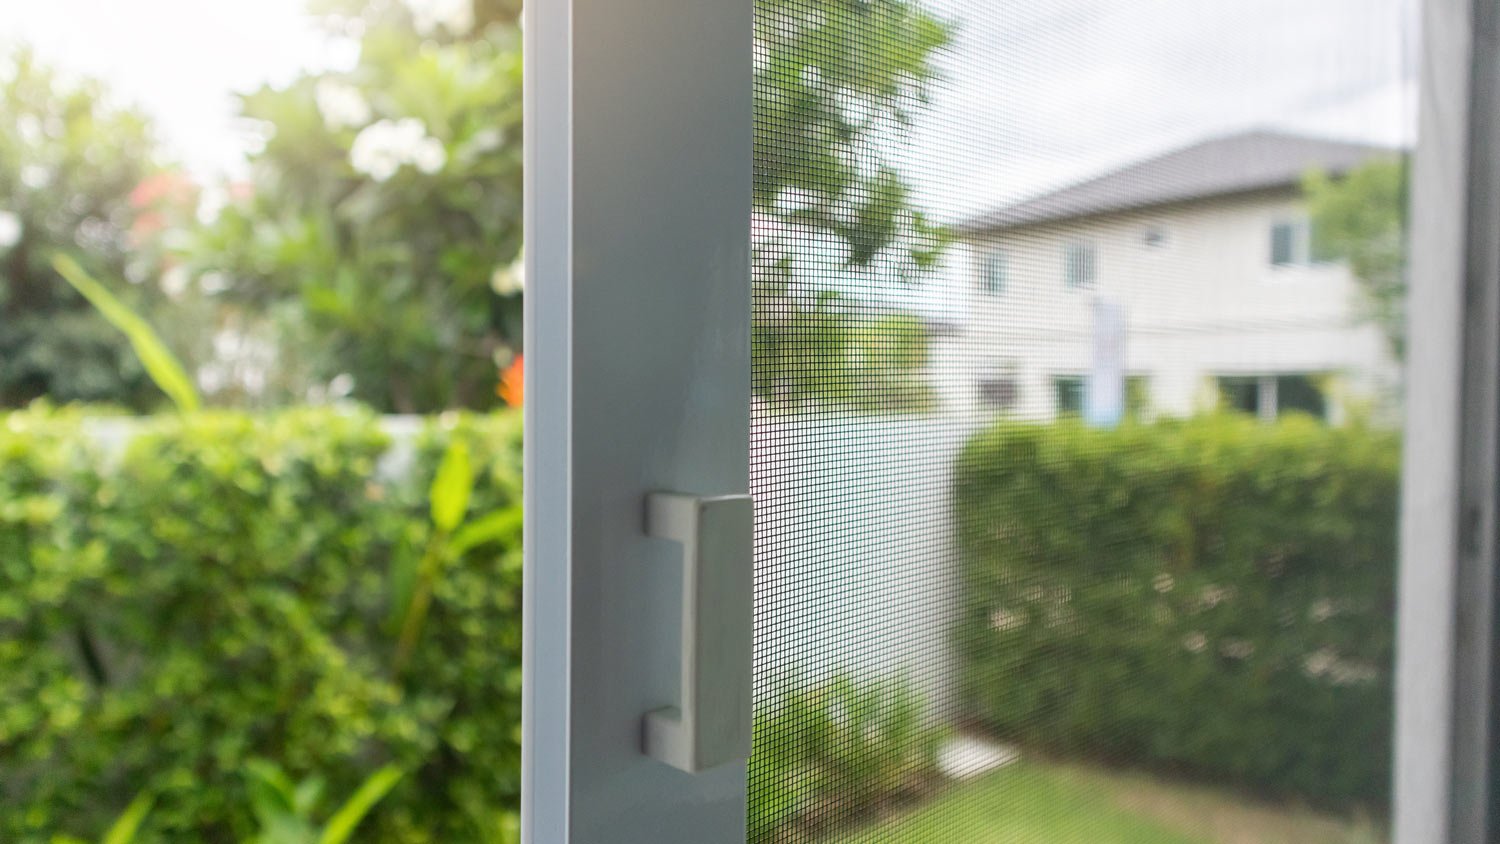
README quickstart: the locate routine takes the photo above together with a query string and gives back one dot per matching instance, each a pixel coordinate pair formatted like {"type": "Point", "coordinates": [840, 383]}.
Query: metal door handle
{"type": "Point", "coordinates": [712, 724]}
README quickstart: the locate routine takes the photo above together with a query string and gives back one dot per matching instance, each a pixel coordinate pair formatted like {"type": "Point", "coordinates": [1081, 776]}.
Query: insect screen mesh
{"type": "Point", "coordinates": [1077, 352]}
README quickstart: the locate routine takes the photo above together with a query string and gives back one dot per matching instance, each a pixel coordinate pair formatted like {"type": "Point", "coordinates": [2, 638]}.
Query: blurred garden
{"type": "Point", "coordinates": [259, 452]}
{"type": "Point", "coordinates": [239, 600]}
{"type": "Point", "coordinates": [260, 480]}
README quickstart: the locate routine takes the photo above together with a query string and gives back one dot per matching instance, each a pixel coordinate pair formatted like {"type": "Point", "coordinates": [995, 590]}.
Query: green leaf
{"type": "Point", "coordinates": [272, 792]}
{"type": "Point", "coordinates": [285, 829]}
{"type": "Point", "coordinates": [403, 582]}
{"type": "Point", "coordinates": [491, 527]}
{"type": "Point", "coordinates": [129, 823]}
{"type": "Point", "coordinates": [306, 796]}
{"type": "Point", "coordinates": [158, 360]}
{"type": "Point", "coordinates": [452, 487]}
{"type": "Point", "coordinates": [343, 822]}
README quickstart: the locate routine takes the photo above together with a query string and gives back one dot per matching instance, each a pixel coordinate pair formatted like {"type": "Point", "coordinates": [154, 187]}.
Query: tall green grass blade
{"type": "Point", "coordinates": [344, 821]}
{"type": "Point", "coordinates": [158, 360]}
{"type": "Point", "coordinates": [452, 487]}
{"type": "Point", "coordinates": [129, 823]}
{"type": "Point", "coordinates": [491, 527]}
{"type": "Point", "coordinates": [272, 792]}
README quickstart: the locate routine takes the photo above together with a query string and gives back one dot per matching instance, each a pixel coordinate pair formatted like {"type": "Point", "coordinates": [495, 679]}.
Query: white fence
{"type": "Point", "coordinates": [856, 563]}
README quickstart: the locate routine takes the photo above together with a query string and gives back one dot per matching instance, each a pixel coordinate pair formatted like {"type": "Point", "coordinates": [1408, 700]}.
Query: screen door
{"type": "Point", "coordinates": [1062, 348]}
{"type": "Point", "coordinates": [1077, 351]}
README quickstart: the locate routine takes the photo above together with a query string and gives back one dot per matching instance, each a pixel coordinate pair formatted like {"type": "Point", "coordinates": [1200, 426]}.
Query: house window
{"type": "Point", "coordinates": [1000, 394]}
{"type": "Point", "coordinates": [1137, 397]}
{"type": "Point", "coordinates": [1067, 391]}
{"type": "Point", "coordinates": [1241, 393]}
{"type": "Point", "coordinates": [1285, 238]}
{"type": "Point", "coordinates": [1272, 396]}
{"type": "Point", "coordinates": [994, 270]}
{"type": "Point", "coordinates": [1300, 394]}
{"type": "Point", "coordinates": [1079, 265]}
{"type": "Point", "coordinates": [1295, 243]}
{"type": "Point", "coordinates": [1070, 394]}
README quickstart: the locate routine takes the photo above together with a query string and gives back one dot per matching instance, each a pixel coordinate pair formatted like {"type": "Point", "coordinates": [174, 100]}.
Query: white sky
{"type": "Point", "coordinates": [1046, 91]}
{"type": "Point", "coordinates": [1038, 92]}
{"type": "Point", "coordinates": [178, 59]}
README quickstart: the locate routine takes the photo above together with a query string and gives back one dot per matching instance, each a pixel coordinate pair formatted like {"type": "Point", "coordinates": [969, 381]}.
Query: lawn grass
{"type": "Point", "coordinates": [1051, 803]}
{"type": "Point", "coordinates": [1020, 804]}
{"type": "Point", "coordinates": [1219, 815]}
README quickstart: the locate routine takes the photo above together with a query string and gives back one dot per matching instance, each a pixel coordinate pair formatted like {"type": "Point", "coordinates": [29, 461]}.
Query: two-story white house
{"type": "Point", "coordinates": [1205, 265]}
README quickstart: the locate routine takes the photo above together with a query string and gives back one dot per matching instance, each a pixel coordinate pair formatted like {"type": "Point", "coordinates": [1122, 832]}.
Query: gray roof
{"type": "Point", "coordinates": [1251, 161]}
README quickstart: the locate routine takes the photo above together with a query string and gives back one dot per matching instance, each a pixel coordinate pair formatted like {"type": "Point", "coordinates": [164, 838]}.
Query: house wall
{"type": "Point", "coordinates": [1205, 302]}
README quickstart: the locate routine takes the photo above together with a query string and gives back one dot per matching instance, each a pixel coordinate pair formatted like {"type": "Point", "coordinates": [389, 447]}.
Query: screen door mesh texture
{"type": "Point", "coordinates": [1077, 377]}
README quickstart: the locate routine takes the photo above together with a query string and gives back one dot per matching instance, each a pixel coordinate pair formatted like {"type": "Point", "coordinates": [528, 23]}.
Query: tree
{"type": "Point", "coordinates": [81, 177]}
{"type": "Point", "coordinates": [376, 243]}
{"type": "Point", "coordinates": [836, 82]}
{"type": "Point", "coordinates": [1361, 218]}
{"type": "Point", "coordinates": [379, 243]}
{"type": "Point", "coordinates": [833, 354]}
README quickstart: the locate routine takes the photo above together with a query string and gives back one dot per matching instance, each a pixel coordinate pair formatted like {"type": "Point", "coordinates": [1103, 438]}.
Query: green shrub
{"type": "Point", "coordinates": [231, 588]}
{"type": "Point", "coordinates": [827, 753]}
{"type": "Point", "coordinates": [1210, 596]}
{"type": "Point", "coordinates": [209, 625]}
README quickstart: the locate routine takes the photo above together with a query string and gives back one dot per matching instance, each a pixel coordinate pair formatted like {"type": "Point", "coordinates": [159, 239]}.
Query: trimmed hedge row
{"type": "Point", "coordinates": [229, 588]}
{"type": "Point", "coordinates": [1213, 597]}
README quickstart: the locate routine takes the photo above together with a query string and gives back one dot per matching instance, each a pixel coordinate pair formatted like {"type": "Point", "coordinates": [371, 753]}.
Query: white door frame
{"type": "Point", "coordinates": [638, 144]}
{"type": "Point", "coordinates": [1445, 697]}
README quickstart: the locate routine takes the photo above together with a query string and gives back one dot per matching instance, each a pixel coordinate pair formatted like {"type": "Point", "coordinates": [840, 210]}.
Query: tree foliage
{"type": "Point", "coordinates": [373, 250]}
{"type": "Point", "coordinates": [71, 173]}
{"type": "Point", "coordinates": [837, 84]}
{"type": "Point", "coordinates": [836, 81]}
{"type": "Point", "coordinates": [829, 355]}
{"type": "Point", "coordinates": [378, 238]}
{"type": "Point", "coordinates": [158, 361]}
{"type": "Point", "coordinates": [1361, 218]}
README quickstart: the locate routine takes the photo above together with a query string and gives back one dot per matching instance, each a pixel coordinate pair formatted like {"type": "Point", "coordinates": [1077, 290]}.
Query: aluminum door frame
{"type": "Point", "coordinates": [1444, 770]}
{"type": "Point", "coordinates": [638, 194]}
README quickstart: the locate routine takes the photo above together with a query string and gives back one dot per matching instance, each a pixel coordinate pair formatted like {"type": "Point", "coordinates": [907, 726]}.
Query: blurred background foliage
{"type": "Point", "coordinates": [1361, 218]}
{"type": "Point", "coordinates": [371, 248]}
{"type": "Point", "coordinates": [376, 241]}
{"type": "Point", "coordinates": [225, 589]}
{"type": "Point", "coordinates": [833, 78]}
{"type": "Point", "coordinates": [216, 625]}
{"type": "Point", "coordinates": [835, 83]}
{"type": "Point", "coordinates": [82, 175]}
{"type": "Point", "coordinates": [238, 621]}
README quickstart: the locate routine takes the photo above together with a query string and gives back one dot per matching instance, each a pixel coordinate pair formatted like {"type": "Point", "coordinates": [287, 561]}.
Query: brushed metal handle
{"type": "Point", "coordinates": [711, 725]}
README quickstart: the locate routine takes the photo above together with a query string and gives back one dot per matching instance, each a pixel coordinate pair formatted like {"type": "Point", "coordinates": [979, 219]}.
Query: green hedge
{"type": "Point", "coordinates": [210, 620]}
{"type": "Point", "coordinates": [228, 589]}
{"type": "Point", "coordinates": [1212, 597]}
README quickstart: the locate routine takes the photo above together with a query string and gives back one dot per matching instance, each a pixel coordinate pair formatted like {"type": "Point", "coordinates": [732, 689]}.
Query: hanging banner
{"type": "Point", "coordinates": [1104, 395]}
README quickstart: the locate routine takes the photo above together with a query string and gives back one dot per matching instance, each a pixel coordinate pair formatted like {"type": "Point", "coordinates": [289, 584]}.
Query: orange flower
{"type": "Point", "coordinates": [512, 388]}
{"type": "Point", "coordinates": [164, 187]}
{"type": "Point", "coordinates": [159, 200]}
{"type": "Point", "coordinates": [241, 191]}
{"type": "Point", "coordinates": [147, 224]}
